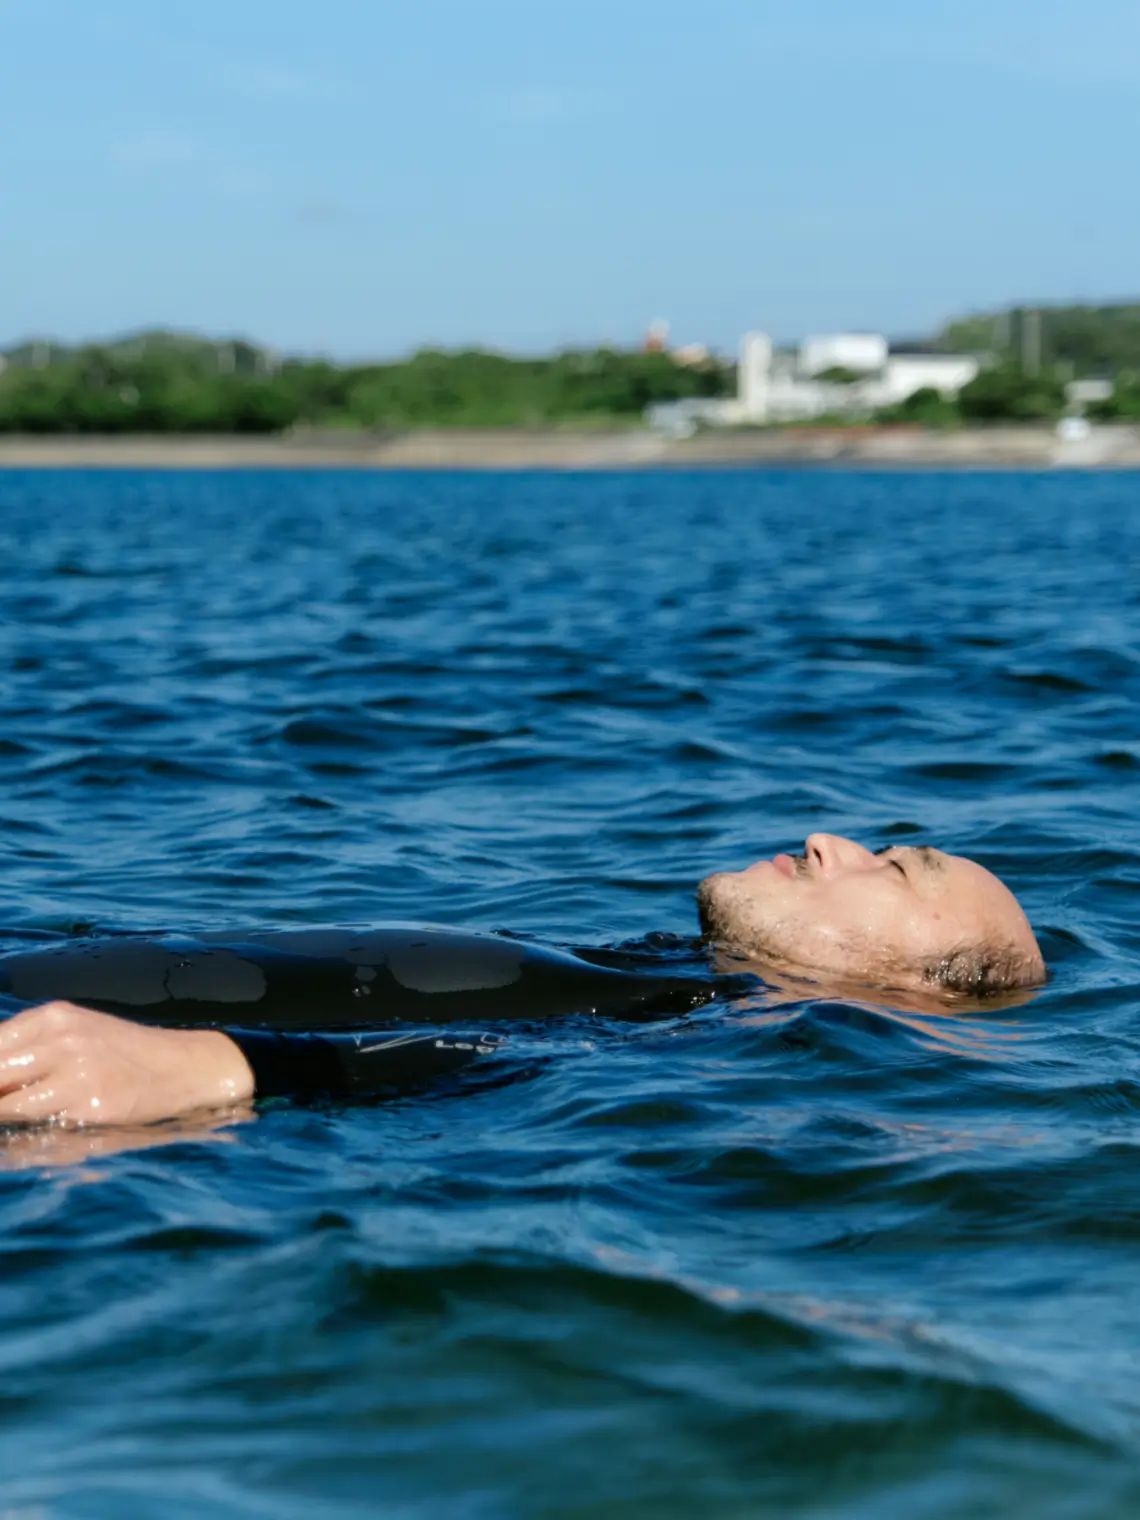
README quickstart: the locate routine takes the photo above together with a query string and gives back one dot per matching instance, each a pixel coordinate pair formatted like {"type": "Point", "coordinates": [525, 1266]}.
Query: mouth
{"type": "Point", "coordinates": [793, 867]}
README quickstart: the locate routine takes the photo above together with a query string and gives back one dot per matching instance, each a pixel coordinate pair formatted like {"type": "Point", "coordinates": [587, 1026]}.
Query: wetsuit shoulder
{"type": "Point", "coordinates": [339, 979]}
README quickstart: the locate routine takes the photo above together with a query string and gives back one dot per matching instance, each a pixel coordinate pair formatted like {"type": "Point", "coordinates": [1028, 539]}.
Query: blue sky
{"type": "Point", "coordinates": [361, 177]}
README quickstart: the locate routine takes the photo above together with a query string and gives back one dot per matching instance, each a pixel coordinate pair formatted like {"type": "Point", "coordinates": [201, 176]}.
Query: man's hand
{"type": "Point", "coordinates": [75, 1066]}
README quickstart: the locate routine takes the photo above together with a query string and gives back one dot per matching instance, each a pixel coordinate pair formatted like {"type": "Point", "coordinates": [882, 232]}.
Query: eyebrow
{"type": "Point", "coordinates": [926, 854]}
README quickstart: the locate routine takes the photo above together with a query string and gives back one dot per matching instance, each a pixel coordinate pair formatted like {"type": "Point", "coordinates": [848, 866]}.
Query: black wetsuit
{"type": "Point", "coordinates": [319, 1012]}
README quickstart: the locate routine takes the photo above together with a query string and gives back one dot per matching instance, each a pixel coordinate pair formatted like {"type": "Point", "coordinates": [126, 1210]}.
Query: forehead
{"type": "Point", "coordinates": [955, 877]}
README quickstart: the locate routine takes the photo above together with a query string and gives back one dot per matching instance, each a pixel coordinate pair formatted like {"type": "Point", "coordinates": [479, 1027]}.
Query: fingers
{"type": "Point", "coordinates": [32, 1045]}
{"type": "Point", "coordinates": [26, 1064]}
{"type": "Point", "coordinates": [19, 1068]}
{"type": "Point", "coordinates": [32, 1104]}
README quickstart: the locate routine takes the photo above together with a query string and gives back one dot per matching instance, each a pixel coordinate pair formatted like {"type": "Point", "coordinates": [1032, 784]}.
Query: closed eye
{"type": "Point", "coordinates": [898, 865]}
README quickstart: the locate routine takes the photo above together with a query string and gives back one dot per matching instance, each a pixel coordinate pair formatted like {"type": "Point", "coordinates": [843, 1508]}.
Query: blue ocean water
{"type": "Point", "coordinates": [826, 1259]}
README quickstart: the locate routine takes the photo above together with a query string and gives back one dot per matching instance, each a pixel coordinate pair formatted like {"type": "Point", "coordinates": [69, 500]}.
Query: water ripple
{"type": "Point", "coordinates": [812, 1256]}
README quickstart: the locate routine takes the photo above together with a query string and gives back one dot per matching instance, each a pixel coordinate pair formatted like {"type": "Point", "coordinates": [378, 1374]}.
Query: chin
{"type": "Point", "coordinates": [728, 914]}
{"type": "Point", "coordinates": [713, 896]}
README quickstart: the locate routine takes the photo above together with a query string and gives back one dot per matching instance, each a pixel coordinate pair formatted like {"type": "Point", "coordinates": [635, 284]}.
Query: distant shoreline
{"type": "Point", "coordinates": [1108, 447]}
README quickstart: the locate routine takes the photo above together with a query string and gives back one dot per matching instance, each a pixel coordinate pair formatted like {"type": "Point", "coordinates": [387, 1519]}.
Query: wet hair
{"type": "Point", "coordinates": [984, 970]}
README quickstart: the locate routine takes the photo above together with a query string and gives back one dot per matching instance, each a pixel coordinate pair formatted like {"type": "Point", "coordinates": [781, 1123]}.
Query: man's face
{"type": "Point", "coordinates": [886, 918]}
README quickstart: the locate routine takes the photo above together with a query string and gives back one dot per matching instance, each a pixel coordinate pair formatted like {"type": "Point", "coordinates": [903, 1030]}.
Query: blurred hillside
{"type": "Point", "coordinates": [164, 382]}
{"type": "Point", "coordinates": [178, 383]}
{"type": "Point", "coordinates": [1086, 340]}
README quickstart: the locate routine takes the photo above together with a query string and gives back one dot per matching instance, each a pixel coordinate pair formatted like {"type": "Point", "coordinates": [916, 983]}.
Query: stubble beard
{"type": "Point", "coordinates": [732, 919]}
{"type": "Point", "coordinates": [728, 922]}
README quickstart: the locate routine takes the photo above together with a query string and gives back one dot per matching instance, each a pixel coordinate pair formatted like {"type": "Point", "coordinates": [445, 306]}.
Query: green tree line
{"type": "Point", "coordinates": [182, 386]}
{"type": "Point", "coordinates": [1010, 393]}
{"type": "Point", "coordinates": [173, 383]}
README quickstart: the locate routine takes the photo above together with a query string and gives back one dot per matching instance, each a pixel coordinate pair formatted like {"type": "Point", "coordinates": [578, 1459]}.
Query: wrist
{"type": "Point", "coordinates": [224, 1076]}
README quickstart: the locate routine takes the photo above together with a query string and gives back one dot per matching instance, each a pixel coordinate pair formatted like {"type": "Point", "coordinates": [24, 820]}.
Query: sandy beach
{"type": "Point", "coordinates": [1115, 447]}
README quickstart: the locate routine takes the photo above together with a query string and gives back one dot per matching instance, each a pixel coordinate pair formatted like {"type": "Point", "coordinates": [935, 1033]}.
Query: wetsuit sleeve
{"type": "Point", "coordinates": [343, 1065]}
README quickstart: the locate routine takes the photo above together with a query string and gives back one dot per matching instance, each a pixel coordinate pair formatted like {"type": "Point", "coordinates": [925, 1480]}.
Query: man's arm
{"type": "Point", "coordinates": [72, 1065]}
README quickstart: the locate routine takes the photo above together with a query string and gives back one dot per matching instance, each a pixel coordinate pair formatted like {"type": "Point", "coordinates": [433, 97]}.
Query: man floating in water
{"type": "Point", "coordinates": [130, 1029]}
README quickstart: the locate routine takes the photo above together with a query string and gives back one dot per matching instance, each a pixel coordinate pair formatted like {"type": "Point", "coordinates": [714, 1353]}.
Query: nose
{"type": "Point", "coordinates": [829, 853]}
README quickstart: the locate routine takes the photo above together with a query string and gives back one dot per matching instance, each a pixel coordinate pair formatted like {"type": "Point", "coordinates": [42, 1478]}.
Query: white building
{"type": "Point", "coordinates": [903, 374]}
{"type": "Point", "coordinates": [754, 375]}
{"type": "Point", "coordinates": [858, 353]}
{"type": "Point", "coordinates": [789, 387]}
{"type": "Point", "coordinates": [774, 387]}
